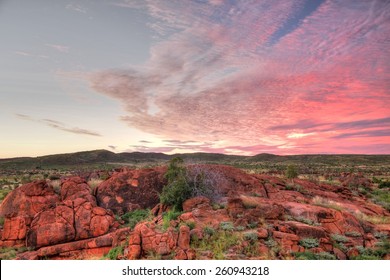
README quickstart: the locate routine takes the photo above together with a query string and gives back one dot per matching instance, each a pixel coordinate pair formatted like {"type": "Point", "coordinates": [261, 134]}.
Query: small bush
{"type": "Point", "coordinates": [377, 253]}
{"type": "Point", "coordinates": [218, 243]}
{"type": "Point", "coordinates": [191, 224]}
{"type": "Point", "coordinates": [353, 234]}
{"type": "Point", "coordinates": [251, 236]}
{"type": "Point", "coordinates": [309, 242]}
{"type": "Point", "coordinates": [134, 217]}
{"type": "Point", "coordinates": [169, 216]}
{"type": "Point", "coordinates": [313, 256]}
{"type": "Point", "coordinates": [380, 235]}
{"type": "Point", "coordinates": [209, 231]}
{"type": "Point", "coordinates": [306, 221]}
{"type": "Point", "coordinates": [384, 184]}
{"type": "Point", "coordinates": [253, 225]}
{"type": "Point", "coordinates": [240, 228]}
{"type": "Point", "coordinates": [114, 253]}
{"type": "Point", "coordinates": [291, 172]}
{"type": "Point", "coordinates": [226, 226]}
{"type": "Point", "coordinates": [270, 243]}
{"type": "Point", "coordinates": [339, 238]}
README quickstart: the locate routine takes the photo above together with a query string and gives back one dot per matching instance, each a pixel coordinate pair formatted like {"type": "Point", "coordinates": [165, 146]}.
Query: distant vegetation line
{"type": "Point", "coordinates": [97, 157]}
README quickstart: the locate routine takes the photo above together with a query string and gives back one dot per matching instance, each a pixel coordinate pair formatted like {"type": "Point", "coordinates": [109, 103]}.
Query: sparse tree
{"type": "Point", "coordinates": [291, 172]}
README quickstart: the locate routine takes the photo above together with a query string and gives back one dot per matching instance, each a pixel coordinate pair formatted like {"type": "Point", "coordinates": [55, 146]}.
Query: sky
{"type": "Point", "coordinates": [223, 76]}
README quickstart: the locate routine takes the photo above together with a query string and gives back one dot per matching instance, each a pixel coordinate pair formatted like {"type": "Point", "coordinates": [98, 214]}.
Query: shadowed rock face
{"type": "Point", "coordinates": [130, 189]}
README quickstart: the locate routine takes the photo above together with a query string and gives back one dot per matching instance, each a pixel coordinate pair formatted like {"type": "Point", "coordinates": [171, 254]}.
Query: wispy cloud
{"type": "Point", "coordinates": [76, 7]}
{"type": "Point", "coordinates": [29, 54]}
{"type": "Point", "coordinates": [58, 125]}
{"type": "Point", "coordinates": [286, 76]}
{"type": "Point", "coordinates": [60, 48]}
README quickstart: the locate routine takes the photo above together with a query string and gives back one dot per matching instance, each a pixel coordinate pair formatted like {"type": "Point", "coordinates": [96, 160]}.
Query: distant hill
{"type": "Point", "coordinates": [97, 157]}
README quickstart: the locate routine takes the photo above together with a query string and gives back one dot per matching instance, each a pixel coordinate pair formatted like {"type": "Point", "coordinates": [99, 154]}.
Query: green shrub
{"type": "Point", "coordinates": [114, 253]}
{"type": "Point", "coordinates": [309, 242]}
{"type": "Point", "coordinates": [253, 225]}
{"type": "Point", "coordinates": [191, 224]}
{"type": "Point", "coordinates": [380, 235]}
{"type": "Point", "coordinates": [240, 228]}
{"type": "Point", "coordinates": [291, 172]}
{"type": "Point", "coordinates": [177, 190]}
{"type": "Point", "coordinates": [314, 256]}
{"type": "Point", "coordinates": [353, 234]}
{"type": "Point", "coordinates": [251, 236]}
{"type": "Point", "coordinates": [209, 231]}
{"type": "Point", "coordinates": [306, 221]}
{"type": "Point", "coordinates": [169, 216]}
{"type": "Point", "coordinates": [134, 217]}
{"type": "Point", "coordinates": [378, 253]}
{"type": "Point", "coordinates": [217, 243]}
{"type": "Point", "coordinates": [339, 238]}
{"type": "Point", "coordinates": [226, 226]}
{"type": "Point", "coordinates": [270, 243]}
{"type": "Point", "coordinates": [384, 184]}
{"type": "Point", "coordinates": [183, 183]}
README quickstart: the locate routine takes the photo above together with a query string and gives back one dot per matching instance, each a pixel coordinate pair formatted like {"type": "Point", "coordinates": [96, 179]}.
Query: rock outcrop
{"type": "Point", "coordinates": [21, 205]}
{"type": "Point", "coordinates": [131, 189]}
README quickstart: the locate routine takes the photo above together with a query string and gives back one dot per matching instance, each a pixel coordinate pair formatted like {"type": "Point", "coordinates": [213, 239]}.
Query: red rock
{"type": "Point", "coordinates": [134, 252]}
{"type": "Point", "coordinates": [150, 184]}
{"type": "Point", "coordinates": [235, 207]}
{"type": "Point", "coordinates": [199, 202]}
{"type": "Point", "coordinates": [50, 227]}
{"type": "Point", "coordinates": [101, 241]}
{"type": "Point", "coordinates": [304, 230]}
{"type": "Point", "coordinates": [339, 254]}
{"type": "Point", "coordinates": [285, 236]}
{"type": "Point", "coordinates": [14, 228]}
{"type": "Point", "coordinates": [180, 254]}
{"type": "Point", "coordinates": [262, 233]}
{"type": "Point", "coordinates": [76, 187]}
{"type": "Point", "coordinates": [186, 217]}
{"type": "Point", "coordinates": [191, 254]}
{"type": "Point", "coordinates": [353, 252]}
{"type": "Point", "coordinates": [196, 233]}
{"type": "Point", "coordinates": [22, 204]}
{"type": "Point", "coordinates": [184, 237]}
{"type": "Point", "coordinates": [28, 256]}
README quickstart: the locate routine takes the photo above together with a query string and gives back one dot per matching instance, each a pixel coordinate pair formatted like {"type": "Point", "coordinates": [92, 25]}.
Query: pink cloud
{"type": "Point", "coordinates": [215, 75]}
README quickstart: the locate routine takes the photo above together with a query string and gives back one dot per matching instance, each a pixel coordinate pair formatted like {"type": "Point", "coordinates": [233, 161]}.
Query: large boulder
{"type": "Point", "coordinates": [76, 217]}
{"type": "Point", "coordinates": [129, 189]}
{"type": "Point", "coordinates": [22, 204]}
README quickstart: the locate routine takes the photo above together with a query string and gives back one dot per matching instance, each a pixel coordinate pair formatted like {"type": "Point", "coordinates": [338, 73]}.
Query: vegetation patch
{"type": "Point", "coordinates": [227, 226]}
{"type": "Point", "coordinates": [133, 217]}
{"type": "Point", "coordinates": [218, 243]}
{"type": "Point", "coordinates": [169, 216]}
{"type": "Point", "coordinates": [327, 203]}
{"type": "Point", "coordinates": [339, 238]}
{"type": "Point", "coordinates": [309, 243]}
{"type": "Point", "coordinates": [114, 253]}
{"type": "Point", "coordinates": [313, 256]}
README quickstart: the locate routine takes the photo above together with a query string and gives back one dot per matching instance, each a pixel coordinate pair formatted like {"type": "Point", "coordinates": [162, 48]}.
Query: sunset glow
{"type": "Point", "coordinates": [234, 77]}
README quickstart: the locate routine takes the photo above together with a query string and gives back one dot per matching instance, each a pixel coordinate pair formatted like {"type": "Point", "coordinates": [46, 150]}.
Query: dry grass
{"type": "Point", "coordinates": [372, 219]}
{"type": "Point", "coordinates": [325, 202]}
{"type": "Point", "coordinates": [93, 183]}
{"type": "Point", "coordinates": [251, 201]}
